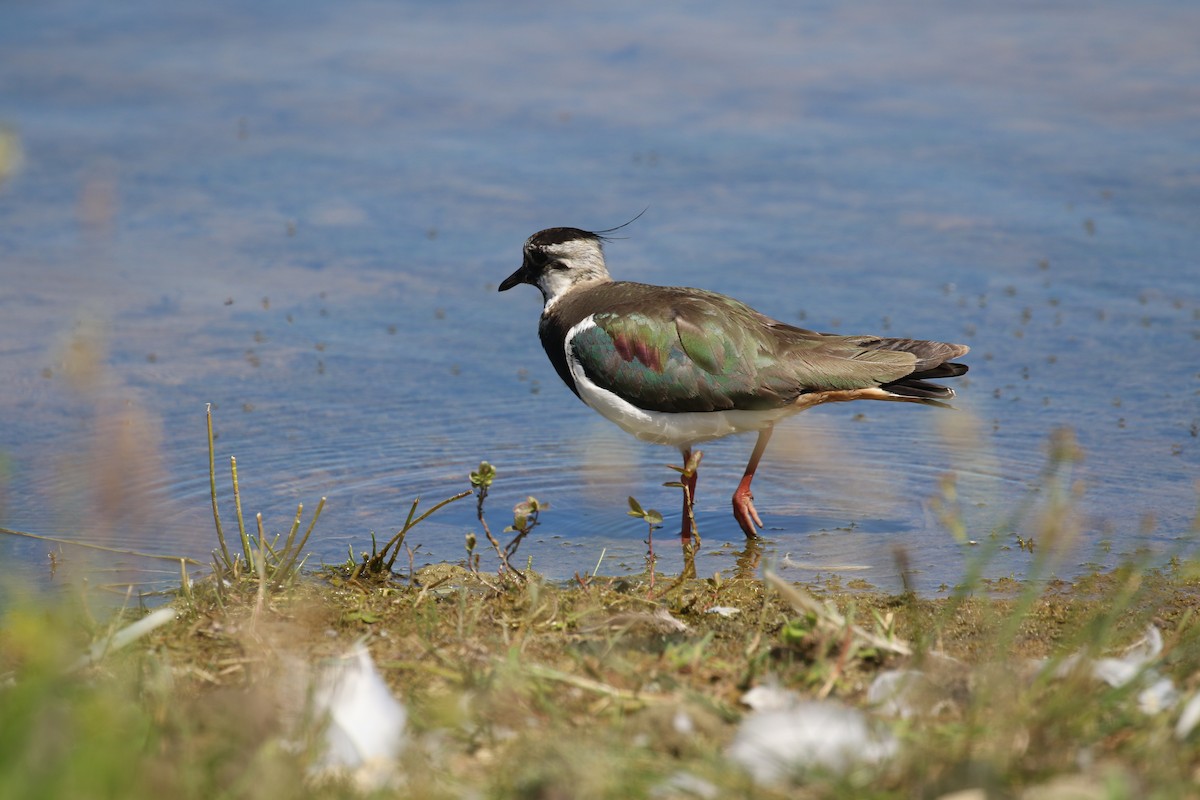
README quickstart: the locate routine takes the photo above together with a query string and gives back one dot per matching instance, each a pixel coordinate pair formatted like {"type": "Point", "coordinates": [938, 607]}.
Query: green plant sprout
{"type": "Point", "coordinates": [525, 519]}
{"type": "Point", "coordinates": [481, 481]}
{"type": "Point", "coordinates": [653, 519]}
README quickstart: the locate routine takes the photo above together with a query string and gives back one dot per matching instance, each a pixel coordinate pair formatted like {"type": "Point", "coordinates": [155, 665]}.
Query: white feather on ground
{"type": "Point", "coordinates": [364, 732]}
{"type": "Point", "coordinates": [786, 737]}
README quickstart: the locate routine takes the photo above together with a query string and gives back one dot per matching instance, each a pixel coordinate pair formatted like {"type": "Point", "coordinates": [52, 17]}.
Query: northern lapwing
{"type": "Point", "coordinates": [680, 366]}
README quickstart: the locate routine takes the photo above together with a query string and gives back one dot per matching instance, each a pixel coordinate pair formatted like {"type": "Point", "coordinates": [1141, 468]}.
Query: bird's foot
{"type": "Point", "coordinates": [744, 512]}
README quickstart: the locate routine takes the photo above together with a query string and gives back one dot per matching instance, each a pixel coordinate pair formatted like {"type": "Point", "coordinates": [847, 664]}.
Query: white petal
{"type": "Point", "coordinates": [1188, 718]}
{"type": "Point", "coordinates": [775, 745]}
{"type": "Point", "coordinates": [1146, 649]}
{"type": "Point", "coordinates": [1116, 672]}
{"type": "Point", "coordinates": [895, 692]}
{"type": "Point", "coordinates": [1160, 695]}
{"type": "Point", "coordinates": [365, 722]}
{"type": "Point", "coordinates": [770, 697]}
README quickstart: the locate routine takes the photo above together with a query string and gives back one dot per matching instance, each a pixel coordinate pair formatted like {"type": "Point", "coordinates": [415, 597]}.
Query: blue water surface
{"type": "Point", "coordinates": [300, 212]}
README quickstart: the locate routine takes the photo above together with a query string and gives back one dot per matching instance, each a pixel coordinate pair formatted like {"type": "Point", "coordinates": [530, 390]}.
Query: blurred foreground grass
{"type": "Point", "coordinates": [593, 690]}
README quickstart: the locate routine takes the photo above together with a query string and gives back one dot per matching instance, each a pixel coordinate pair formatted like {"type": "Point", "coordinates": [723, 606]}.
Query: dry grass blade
{"type": "Point", "coordinates": [828, 618]}
{"type": "Point", "coordinates": [595, 686]}
{"type": "Point", "coordinates": [125, 636]}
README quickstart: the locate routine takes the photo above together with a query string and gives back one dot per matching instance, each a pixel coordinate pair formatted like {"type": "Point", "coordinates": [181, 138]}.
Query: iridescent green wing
{"type": "Point", "coordinates": [700, 351]}
{"type": "Point", "coordinates": [679, 359]}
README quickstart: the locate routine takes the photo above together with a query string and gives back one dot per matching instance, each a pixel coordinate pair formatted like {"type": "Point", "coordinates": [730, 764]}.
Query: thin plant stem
{"type": "Point", "coordinates": [312, 524]}
{"type": "Point", "coordinates": [411, 523]}
{"type": "Point", "coordinates": [261, 567]}
{"type": "Point", "coordinates": [599, 561]}
{"type": "Point", "coordinates": [291, 537]}
{"type": "Point", "coordinates": [290, 553]}
{"type": "Point", "coordinates": [483, 491]}
{"type": "Point", "coordinates": [237, 503]}
{"type": "Point", "coordinates": [184, 582]}
{"type": "Point", "coordinates": [651, 559]}
{"type": "Point", "coordinates": [212, 487]}
{"type": "Point", "coordinates": [91, 546]}
{"type": "Point", "coordinates": [398, 539]}
{"type": "Point", "coordinates": [264, 547]}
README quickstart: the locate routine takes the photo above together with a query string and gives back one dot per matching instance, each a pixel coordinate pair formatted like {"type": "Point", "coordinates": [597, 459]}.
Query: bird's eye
{"type": "Point", "coordinates": [536, 257]}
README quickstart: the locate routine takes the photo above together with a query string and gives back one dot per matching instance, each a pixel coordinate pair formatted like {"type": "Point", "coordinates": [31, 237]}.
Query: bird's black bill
{"type": "Point", "coordinates": [513, 280]}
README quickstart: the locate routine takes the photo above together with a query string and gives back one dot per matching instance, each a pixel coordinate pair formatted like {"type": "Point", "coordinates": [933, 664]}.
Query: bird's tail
{"type": "Point", "coordinates": [933, 362]}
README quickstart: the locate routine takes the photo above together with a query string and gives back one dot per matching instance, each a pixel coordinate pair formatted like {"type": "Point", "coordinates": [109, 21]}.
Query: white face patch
{"type": "Point", "coordinates": [583, 261]}
{"type": "Point", "coordinates": [678, 430]}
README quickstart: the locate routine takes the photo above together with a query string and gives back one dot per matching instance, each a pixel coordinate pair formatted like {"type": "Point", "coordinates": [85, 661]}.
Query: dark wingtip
{"type": "Point", "coordinates": [950, 369]}
{"type": "Point", "coordinates": [917, 388]}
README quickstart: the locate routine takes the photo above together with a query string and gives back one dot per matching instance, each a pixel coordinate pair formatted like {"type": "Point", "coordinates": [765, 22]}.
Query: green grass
{"type": "Point", "coordinates": [545, 691]}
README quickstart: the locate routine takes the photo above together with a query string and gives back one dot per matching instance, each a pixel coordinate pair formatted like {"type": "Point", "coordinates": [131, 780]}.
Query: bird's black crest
{"type": "Point", "coordinates": [601, 234]}
{"type": "Point", "coordinates": [552, 236]}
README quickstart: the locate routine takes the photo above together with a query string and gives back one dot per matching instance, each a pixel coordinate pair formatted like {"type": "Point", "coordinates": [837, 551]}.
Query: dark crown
{"type": "Point", "coordinates": [553, 236]}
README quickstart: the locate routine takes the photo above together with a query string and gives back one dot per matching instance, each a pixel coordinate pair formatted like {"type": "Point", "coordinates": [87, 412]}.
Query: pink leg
{"type": "Point", "coordinates": [689, 498]}
{"type": "Point", "coordinates": [743, 500]}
